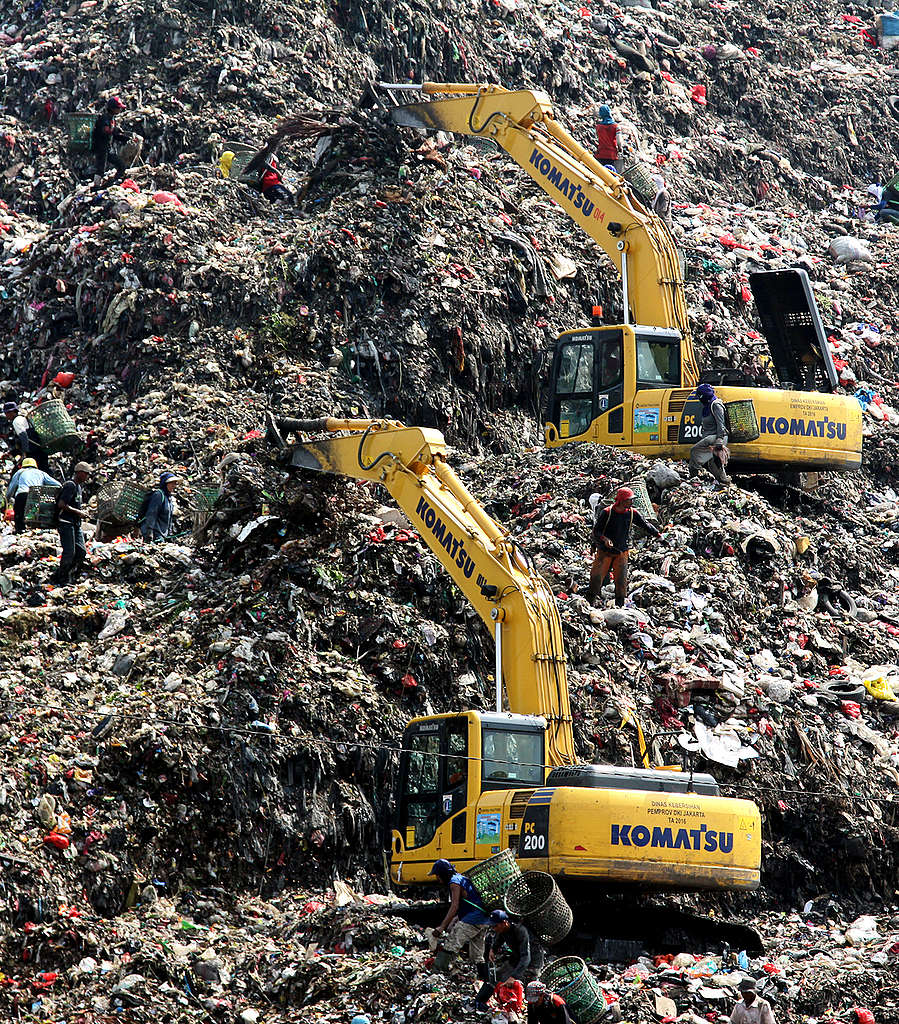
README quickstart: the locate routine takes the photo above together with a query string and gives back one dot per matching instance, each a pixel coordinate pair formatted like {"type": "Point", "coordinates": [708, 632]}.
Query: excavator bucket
{"type": "Point", "coordinates": [302, 457]}
{"type": "Point", "coordinates": [793, 328]}
{"type": "Point", "coordinates": [416, 115]}
{"type": "Point", "coordinates": [405, 111]}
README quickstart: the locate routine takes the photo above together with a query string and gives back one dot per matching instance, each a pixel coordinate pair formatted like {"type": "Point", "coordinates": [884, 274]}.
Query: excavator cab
{"type": "Point", "coordinates": [595, 374]}
{"type": "Point", "coordinates": [631, 386]}
{"type": "Point", "coordinates": [457, 774]}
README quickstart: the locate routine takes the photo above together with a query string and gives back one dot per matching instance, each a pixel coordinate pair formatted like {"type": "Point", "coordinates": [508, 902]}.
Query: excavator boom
{"type": "Point", "coordinates": [495, 575]}
{"type": "Point", "coordinates": [638, 242]}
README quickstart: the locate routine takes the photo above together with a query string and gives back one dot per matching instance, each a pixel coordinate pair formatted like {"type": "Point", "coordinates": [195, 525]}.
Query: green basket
{"type": "Point", "coordinates": [493, 876]}
{"type": "Point", "coordinates": [81, 129]}
{"type": "Point", "coordinates": [120, 502]}
{"type": "Point", "coordinates": [568, 977]}
{"type": "Point", "coordinates": [203, 499]}
{"type": "Point", "coordinates": [201, 502]}
{"type": "Point", "coordinates": [243, 154]}
{"type": "Point", "coordinates": [640, 180]}
{"type": "Point", "coordinates": [642, 504]}
{"type": "Point", "coordinates": [55, 428]}
{"type": "Point", "coordinates": [40, 508]}
{"type": "Point", "coordinates": [742, 422]}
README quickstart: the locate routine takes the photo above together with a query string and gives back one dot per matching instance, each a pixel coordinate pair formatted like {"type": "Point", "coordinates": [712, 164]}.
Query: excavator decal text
{"type": "Point", "coordinates": [570, 189]}
{"type": "Point", "coordinates": [803, 428]}
{"type": "Point", "coordinates": [454, 547]}
{"type": "Point", "coordinates": [702, 838]}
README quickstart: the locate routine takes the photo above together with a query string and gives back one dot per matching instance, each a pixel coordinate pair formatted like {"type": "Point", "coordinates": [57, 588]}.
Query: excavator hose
{"type": "Point", "coordinates": [302, 426]}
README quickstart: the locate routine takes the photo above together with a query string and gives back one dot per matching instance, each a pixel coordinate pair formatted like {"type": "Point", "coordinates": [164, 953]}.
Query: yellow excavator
{"type": "Point", "coordinates": [630, 385]}
{"type": "Point", "coordinates": [472, 783]}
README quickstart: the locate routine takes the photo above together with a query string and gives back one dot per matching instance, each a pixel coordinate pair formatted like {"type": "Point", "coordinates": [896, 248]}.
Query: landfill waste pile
{"type": "Point", "coordinates": [198, 737]}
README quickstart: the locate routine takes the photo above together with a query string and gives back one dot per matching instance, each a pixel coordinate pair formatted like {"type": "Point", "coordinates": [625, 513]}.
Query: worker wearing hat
{"type": "Point", "coordinates": [466, 921]}
{"type": "Point", "coordinates": [544, 1007]}
{"type": "Point", "coordinates": [710, 451]}
{"type": "Point", "coordinates": [104, 134]}
{"type": "Point", "coordinates": [24, 438]}
{"type": "Point", "coordinates": [158, 520]}
{"type": "Point", "coordinates": [610, 543]}
{"type": "Point", "coordinates": [751, 1009]}
{"type": "Point", "coordinates": [512, 952]}
{"type": "Point", "coordinates": [69, 515]}
{"type": "Point", "coordinates": [225, 161]}
{"type": "Point", "coordinates": [22, 481]}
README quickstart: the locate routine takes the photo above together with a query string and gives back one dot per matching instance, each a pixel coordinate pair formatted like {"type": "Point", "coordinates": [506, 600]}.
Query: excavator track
{"type": "Point", "coordinates": [617, 928]}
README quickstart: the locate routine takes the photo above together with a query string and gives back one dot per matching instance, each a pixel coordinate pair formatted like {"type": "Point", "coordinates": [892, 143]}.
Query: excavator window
{"type": "Point", "coordinates": [512, 758]}
{"type": "Point", "coordinates": [433, 777]}
{"type": "Point", "coordinates": [658, 362]}
{"type": "Point", "coordinates": [573, 387]}
{"type": "Point", "coordinates": [422, 793]}
{"type": "Point", "coordinates": [588, 379]}
{"type": "Point", "coordinates": [456, 789]}
{"type": "Point", "coordinates": [610, 361]}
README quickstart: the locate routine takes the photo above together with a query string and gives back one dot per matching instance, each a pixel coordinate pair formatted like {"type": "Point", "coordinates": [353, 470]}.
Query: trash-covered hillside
{"type": "Point", "coordinates": [198, 737]}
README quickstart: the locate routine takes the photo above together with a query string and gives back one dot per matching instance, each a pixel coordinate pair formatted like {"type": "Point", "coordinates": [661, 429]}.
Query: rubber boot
{"type": "Point", "coordinates": [484, 993]}
{"type": "Point", "coordinates": [442, 960]}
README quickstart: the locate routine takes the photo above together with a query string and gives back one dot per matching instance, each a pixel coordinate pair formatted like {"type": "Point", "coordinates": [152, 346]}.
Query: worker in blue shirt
{"type": "Point", "coordinates": [22, 481]}
{"type": "Point", "coordinates": [466, 922]}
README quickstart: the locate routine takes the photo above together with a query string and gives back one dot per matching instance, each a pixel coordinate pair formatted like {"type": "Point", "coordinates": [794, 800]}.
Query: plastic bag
{"type": "Point", "coordinates": [846, 249]}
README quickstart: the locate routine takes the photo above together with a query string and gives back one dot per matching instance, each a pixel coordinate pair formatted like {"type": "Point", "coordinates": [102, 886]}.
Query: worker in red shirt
{"type": "Point", "coordinates": [271, 184]}
{"type": "Point", "coordinates": [607, 139]}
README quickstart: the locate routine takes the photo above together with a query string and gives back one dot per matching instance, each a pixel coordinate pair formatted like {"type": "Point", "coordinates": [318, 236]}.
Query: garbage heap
{"type": "Point", "coordinates": [201, 726]}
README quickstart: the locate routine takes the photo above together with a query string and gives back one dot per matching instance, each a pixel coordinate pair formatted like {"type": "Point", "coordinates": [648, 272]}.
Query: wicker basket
{"type": "Point", "coordinates": [201, 503]}
{"type": "Point", "coordinates": [55, 428]}
{"type": "Point", "coordinates": [640, 180]}
{"type": "Point", "coordinates": [243, 154]}
{"type": "Point", "coordinates": [642, 504]}
{"type": "Point", "coordinates": [493, 876]}
{"type": "Point", "coordinates": [80, 128]}
{"type": "Point", "coordinates": [742, 422]}
{"type": "Point", "coordinates": [40, 508]}
{"type": "Point", "coordinates": [120, 502]}
{"type": "Point", "coordinates": [568, 976]}
{"type": "Point", "coordinates": [535, 897]}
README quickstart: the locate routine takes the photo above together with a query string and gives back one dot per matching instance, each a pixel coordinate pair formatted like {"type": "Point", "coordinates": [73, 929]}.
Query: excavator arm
{"type": "Point", "coordinates": [495, 575]}
{"type": "Point", "coordinates": [637, 241]}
